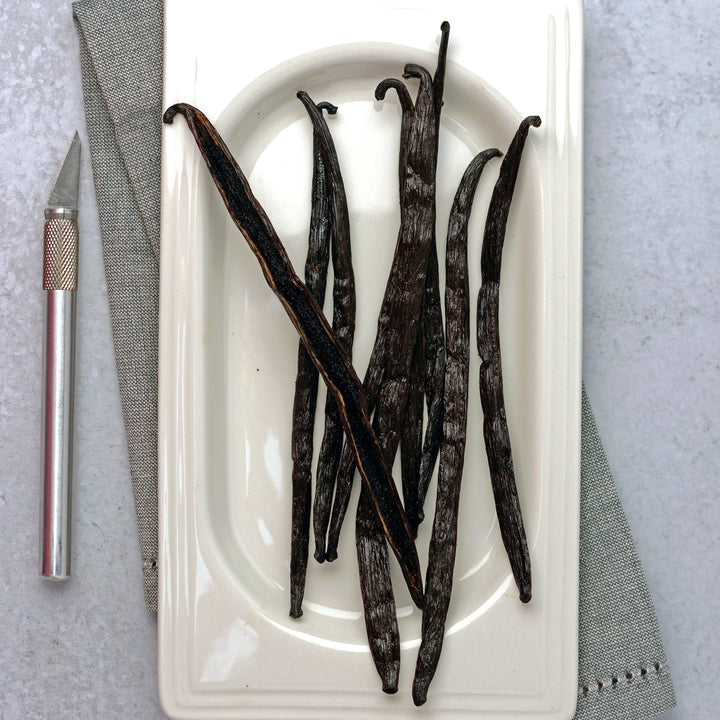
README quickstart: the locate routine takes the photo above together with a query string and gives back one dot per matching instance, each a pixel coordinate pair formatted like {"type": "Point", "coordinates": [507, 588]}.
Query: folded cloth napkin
{"type": "Point", "coordinates": [623, 673]}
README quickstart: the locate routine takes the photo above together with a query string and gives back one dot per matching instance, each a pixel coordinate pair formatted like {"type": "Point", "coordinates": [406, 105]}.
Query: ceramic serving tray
{"type": "Point", "coordinates": [228, 354]}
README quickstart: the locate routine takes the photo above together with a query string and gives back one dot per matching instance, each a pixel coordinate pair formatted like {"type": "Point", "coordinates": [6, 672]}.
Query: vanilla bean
{"type": "Point", "coordinates": [306, 382]}
{"type": "Point", "coordinates": [495, 428]}
{"type": "Point", "coordinates": [403, 303]}
{"type": "Point", "coordinates": [322, 345]}
{"type": "Point", "coordinates": [343, 323]}
{"type": "Point", "coordinates": [433, 328]}
{"type": "Point", "coordinates": [412, 428]}
{"type": "Point", "coordinates": [443, 542]}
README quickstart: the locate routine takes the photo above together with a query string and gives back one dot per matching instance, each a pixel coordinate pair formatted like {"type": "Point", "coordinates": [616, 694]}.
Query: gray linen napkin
{"type": "Point", "coordinates": [121, 46]}
{"type": "Point", "coordinates": [623, 673]}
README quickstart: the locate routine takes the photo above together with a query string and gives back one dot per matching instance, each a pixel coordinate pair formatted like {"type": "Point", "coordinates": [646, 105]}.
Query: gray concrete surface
{"type": "Point", "coordinates": [87, 649]}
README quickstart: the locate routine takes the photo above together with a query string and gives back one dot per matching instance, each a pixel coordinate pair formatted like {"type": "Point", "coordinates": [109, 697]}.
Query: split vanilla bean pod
{"type": "Point", "coordinates": [343, 322]}
{"type": "Point", "coordinates": [321, 343]}
{"type": "Point", "coordinates": [443, 542]}
{"type": "Point", "coordinates": [495, 428]}
{"type": "Point", "coordinates": [306, 382]}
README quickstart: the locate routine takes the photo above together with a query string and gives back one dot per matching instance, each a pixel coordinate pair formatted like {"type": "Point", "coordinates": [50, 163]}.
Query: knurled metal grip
{"type": "Point", "coordinates": [60, 251]}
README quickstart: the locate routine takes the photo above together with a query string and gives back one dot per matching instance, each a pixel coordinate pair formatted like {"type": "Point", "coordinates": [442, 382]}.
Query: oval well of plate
{"type": "Point", "coordinates": [252, 351]}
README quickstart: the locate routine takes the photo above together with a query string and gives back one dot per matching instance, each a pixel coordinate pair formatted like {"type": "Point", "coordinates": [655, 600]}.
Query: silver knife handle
{"type": "Point", "coordinates": [60, 250]}
{"type": "Point", "coordinates": [60, 280]}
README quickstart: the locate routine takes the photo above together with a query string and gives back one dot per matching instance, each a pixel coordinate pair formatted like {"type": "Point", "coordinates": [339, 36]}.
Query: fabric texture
{"type": "Point", "coordinates": [121, 47]}
{"type": "Point", "coordinates": [623, 672]}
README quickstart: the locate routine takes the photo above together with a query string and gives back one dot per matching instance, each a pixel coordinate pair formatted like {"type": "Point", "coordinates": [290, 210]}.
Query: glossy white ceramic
{"type": "Point", "coordinates": [227, 648]}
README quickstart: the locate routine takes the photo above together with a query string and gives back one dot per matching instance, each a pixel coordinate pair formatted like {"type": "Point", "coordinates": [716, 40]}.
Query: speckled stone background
{"type": "Point", "coordinates": [87, 649]}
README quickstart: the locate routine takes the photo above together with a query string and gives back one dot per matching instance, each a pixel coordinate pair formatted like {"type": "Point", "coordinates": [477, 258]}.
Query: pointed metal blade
{"type": "Point", "coordinates": [65, 192]}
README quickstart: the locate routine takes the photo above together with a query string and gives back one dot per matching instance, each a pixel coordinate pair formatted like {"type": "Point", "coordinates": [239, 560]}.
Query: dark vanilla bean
{"type": "Point", "coordinates": [495, 428]}
{"type": "Point", "coordinates": [412, 429]}
{"type": "Point", "coordinates": [343, 322]}
{"type": "Point", "coordinates": [443, 541]}
{"type": "Point", "coordinates": [306, 382]}
{"type": "Point", "coordinates": [433, 328]}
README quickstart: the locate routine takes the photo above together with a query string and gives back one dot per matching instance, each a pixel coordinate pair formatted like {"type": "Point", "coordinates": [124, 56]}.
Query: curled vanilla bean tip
{"type": "Point", "coordinates": [170, 113]}
{"type": "Point", "coordinates": [413, 70]}
{"type": "Point", "coordinates": [329, 108]}
{"type": "Point", "coordinates": [399, 86]}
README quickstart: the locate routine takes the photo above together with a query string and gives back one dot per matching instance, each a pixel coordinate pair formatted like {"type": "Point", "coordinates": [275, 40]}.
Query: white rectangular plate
{"type": "Point", "coordinates": [228, 353]}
